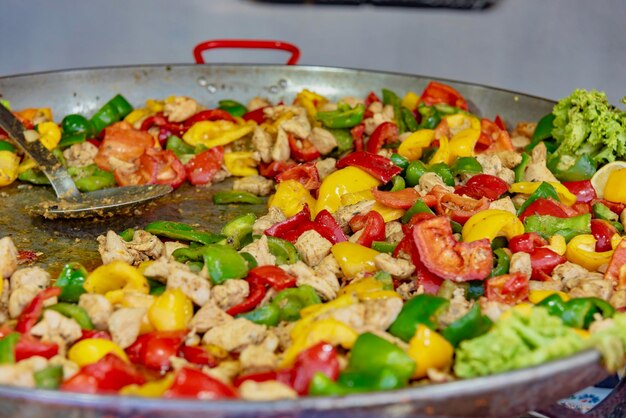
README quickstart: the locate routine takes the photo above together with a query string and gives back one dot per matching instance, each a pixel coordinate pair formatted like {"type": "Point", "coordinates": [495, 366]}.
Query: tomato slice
{"type": "Point", "coordinates": [169, 168]}
{"type": "Point", "coordinates": [614, 272]}
{"type": "Point", "coordinates": [526, 242]}
{"type": "Point", "coordinates": [458, 208]}
{"type": "Point", "coordinates": [493, 138]}
{"type": "Point", "coordinates": [306, 174]}
{"type": "Point", "coordinates": [543, 261]}
{"type": "Point", "coordinates": [123, 142]}
{"type": "Point", "coordinates": [508, 288]}
{"type": "Point", "coordinates": [402, 199]}
{"type": "Point", "coordinates": [373, 226]}
{"type": "Point", "coordinates": [436, 93]}
{"type": "Point", "coordinates": [448, 258]}
{"type": "Point", "coordinates": [203, 166]}
{"type": "Point", "coordinates": [271, 170]}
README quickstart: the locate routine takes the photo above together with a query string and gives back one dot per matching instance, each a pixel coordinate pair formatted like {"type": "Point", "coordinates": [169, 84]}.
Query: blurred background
{"type": "Point", "coordinates": [546, 48]}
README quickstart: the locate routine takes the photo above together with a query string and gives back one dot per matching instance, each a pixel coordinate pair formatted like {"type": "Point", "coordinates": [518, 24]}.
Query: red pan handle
{"type": "Point", "coordinates": [246, 44]}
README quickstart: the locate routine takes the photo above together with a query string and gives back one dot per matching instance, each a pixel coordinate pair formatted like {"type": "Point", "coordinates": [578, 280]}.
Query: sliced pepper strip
{"type": "Point", "coordinates": [462, 143]}
{"type": "Point", "coordinates": [240, 163]}
{"type": "Point", "coordinates": [383, 169]}
{"type": "Point", "coordinates": [581, 250]}
{"type": "Point", "coordinates": [491, 223]}
{"type": "Point", "coordinates": [114, 278]}
{"type": "Point", "coordinates": [341, 182]}
{"type": "Point", "coordinates": [354, 258]}
{"type": "Point", "coordinates": [412, 146]}
{"type": "Point", "coordinates": [214, 133]}
{"type": "Point", "coordinates": [526, 187]}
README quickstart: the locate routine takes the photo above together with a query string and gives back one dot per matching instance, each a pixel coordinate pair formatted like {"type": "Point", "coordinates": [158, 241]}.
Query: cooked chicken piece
{"type": "Point", "coordinates": [380, 115]}
{"type": "Point", "coordinates": [69, 367]}
{"type": "Point", "coordinates": [409, 290]}
{"type": "Point", "coordinates": [54, 325]}
{"type": "Point", "coordinates": [8, 257]}
{"type": "Point", "coordinates": [260, 250]}
{"type": "Point", "coordinates": [124, 167]}
{"type": "Point", "coordinates": [458, 307]}
{"type": "Point", "coordinates": [225, 372]}
{"type": "Point", "coordinates": [230, 293]}
{"type": "Point", "coordinates": [536, 169]}
{"type": "Point", "coordinates": [437, 376]}
{"type": "Point", "coordinates": [179, 276]}
{"type": "Point", "coordinates": [326, 167]}
{"type": "Point", "coordinates": [21, 298]}
{"type": "Point", "coordinates": [180, 109]}
{"type": "Point", "coordinates": [570, 274]}
{"type": "Point", "coordinates": [393, 232]}
{"type": "Point", "coordinates": [273, 216]}
{"type": "Point", "coordinates": [113, 247]}
{"type": "Point", "coordinates": [346, 213]}
{"type": "Point", "coordinates": [283, 332]}
{"type": "Point", "coordinates": [519, 141]}
{"type": "Point", "coordinates": [209, 316]}
{"type": "Point", "coordinates": [618, 299]}
{"type": "Point", "coordinates": [21, 373]}
{"type": "Point", "coordinates": [262, 142]}
{"type": "Point", "coordinates": [510, 159]}
{"type": "Point", "coordinates": [323, 140]}
{"type": "Point", "coordinates": [330, 265]}
{"type": "Point", "coordinates": [312, 247]}
{"type": "Point", "coordinates": [622, 218]}
{"type": "Point", "coordinates": [257, 358]}
{"type": "Point", "coordinates": [220, 176]}
{"type": "Point", "coordinates": [547, 285]}
{"type": "Point", "coordinates": [351, 315]}
{"type": "Point", "coordinates": [170, 246]}
{"type": "Point", "coordinates": [324, 282]}
{"type": "Point", "coordinates": [492, 165]}
{"type": "Point", "coordinates": [148, 246]}
{"type": "Point", "coordinates": [520, 263]}
{"type": "Point", "coordinates": [124, 325]}
{"type": "Point", "coordinates": [280, 149]}
{"type": "Point", "coordinates": [519, 199]}
{"type": "Point", "coordinates": [503, 204]}
{"type": "Point", "coordinates": [599, 288]}
{"type": "Point", "coordinates": [270, 390]}
{"type": "Point", "coordinates": [98, 308]}
{"type": "Point", "coordinates": [235, 335]}
{"type": "Point", "coordinates": [351, 101]}
{"type": "Point", "coordinates": [80, 155]}
{"type": "Point", "coordinates": [380, 313]}
{"type": "Point", "coordinates": [257, 103]}
{"type": "Point", "coordinates": [257, 185]}
{"type": "Point", "coordinates": [4, 300]}
{"type": "Point", "coordinates": [35, 276]}
{"type": "Point", "coordinates": [275, 112]}
{"type": "Point", "coordinates": [299, 126]}
{"type": "Point", "coordinates": [428, 181]}
{"type": "Point", "coordinates": [525, 129]}
{"type": "Point", "coordinates": [492, 309]}
{"type": "Point", "coordinates": [397, 267]}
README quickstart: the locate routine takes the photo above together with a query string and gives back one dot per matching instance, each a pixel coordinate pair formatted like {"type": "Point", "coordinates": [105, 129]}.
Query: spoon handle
{"type": "Point", "coordinates": [60, 179]}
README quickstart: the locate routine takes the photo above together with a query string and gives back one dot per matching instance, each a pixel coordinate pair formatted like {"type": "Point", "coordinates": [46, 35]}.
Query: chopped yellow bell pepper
{"type": "Point", "coordinates": [156, 105]}
{"type": "Point", "coordinates": [31, 114]}
{"type": "Point", "coordinates": [346, 180]}
{"type": "Point", "coordinates": [557, 244]}
{"type": "Point", "coordinates": [311, 101]}
{"type": "Point", "coordinates": [328, 330]}
{"type": "Point", "coordinates": [137, 115]}
{"type": "Point", "coordinates": [582, 250]}
{"type": "Point", "coordinates": [411, 148]}
{"type": "Point", "coordinates": [26, 164]}
{"type": "Point", "coordinates": [9, 165]}
{"type": "Point", "coordinates": [115, 278]}
{"type": "Point", "coordinates": [429, 350]}
{"type": "Point", "coordinates": [214, 133]}
{"type": "Point", "coordinates": [240, 163]}
{"type": "Point", "coordinates": [410, 101]}
{"type": "Point", "coordinates": [49, 134]}
{"type": "Point", "coordinates": [312, 312]}
{"type": "Point", "coordinates": [290, 197]}
{"type": "Point", "coordinates": [527, 187]}
{"type": "Point", "coordinates": [614, 189]}
{"type": "Point", "coordinates": [536, 296]}
{"type": "Point", "coordinates": [524, 309]}
{"type": "Point", "coordinates": [91, 350]}
{"type": "Point", "coordinates": [442, 155]}
{"type": "Point", "coordinates": [367, 289]}
{"type": "Point", "coordinates": [171, 311]}
{"type": "Point", "coordinates": [130, 299]}
{"type": "Point", "coordinates": [354, 258]}
{"type": "Point", "coordinates": [491, 223]}
{"type": "Point", "coordinates": [463, 142]}
{"type": "Point", "coordinates": [272, 127]}
{"type": "Point", "coordinates": [388, 214]}
{"type": "Point", "coordinates": [154, 389]}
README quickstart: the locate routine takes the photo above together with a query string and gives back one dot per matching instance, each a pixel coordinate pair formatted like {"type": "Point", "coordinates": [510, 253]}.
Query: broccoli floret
{"type": "Point", "coordinates": [586, 123]}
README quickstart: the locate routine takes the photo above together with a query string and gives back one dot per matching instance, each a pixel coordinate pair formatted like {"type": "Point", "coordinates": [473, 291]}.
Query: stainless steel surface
{"type": "Point", "coordinates": [84, 91]}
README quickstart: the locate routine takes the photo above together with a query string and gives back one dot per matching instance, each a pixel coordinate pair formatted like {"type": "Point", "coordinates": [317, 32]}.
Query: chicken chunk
{"type": "Point", "coordinates": [280, 149]}
{"type": "Point", "coordinates": [98, 308]}
{"type": "Point", "coordinates": [536, 169]}
{"type": "Point", "coordinates": [112, 247]}
{"type": "Point", "coordinates": [509, 159]}
{"type": "Point", "coordinates": [326, 167]}
{"type": "Point", "coordinates": [21, 374]}
{"type": "Point", "coordinates": [180, 108]}
{"type": "Point", "coordinates": [458, 307]}
{"type": "Point", "coordinates": [124, 325]}
{"type": "Point", "coordinates": [257, 103]}
{"type": "Point", "coordinates": [380, 313]}
{"type": "Point", "coordinates": [409, 290]}
{"type": "Point", "coordinates": [299, 126]}
{"type": "Point", "coordinates": [260, 250]}
{"type": "Point", "coordinates": [235, 335]}
{"type": "Point", "coordinates": [393, 232]}
{"type": "Point", "coordinates": [35, 276]}
{"type": "Point", "coordinates": [312, 247]}
{"type": "Point", "coordinates": [257, 185]}
{"type": "Point", "coordinates": [492, 309]}
{"type": "Point", "coordinates": [179, 276]}
{"type": "Point", "coordinates": [323, 140]}
{"type": "Point", "coordinates": [588, 287]}
{"type": "Point", "coordinates": [351, 315]}
{"type": "Point", "coordinates": [270, 390]}
{"type": "Point", "coordinates": [346, 213]}
{"type": "Point", "coordinates": [505, 204]}
{"type": "Point", "coordinates": [54, 325]}
{"type": "Point", "coordinates": [80, 155]}
{"type": "Point", "coordinates": [225, 372]}
{"type": "Point", "coordinates": [273, 216]}
{"type": "Point", "coordinates": [147, 245]}
{"type": "Point", "coordinates": [263, 142]}
{"type": "Point", "coordinates": [570, 274]}
{"type": "Point", "coordinates": [520, 263]}
{"type": "Point", "coordinates": [379, 116]}
{"type": "Point", "coordinates": [618, 299]}
{"type": "Point", "coordinates": [555, 285]}
{"type": "Point", "coordinates": [230, 293]}
{"type": "Point", "coordinates": [257, 358]}
{"type": "Point", "coordinates": [209, 316]}
{"type": "Point", "coordinates": [492, 165]}
{"type": "Point", "coordinates": [428, 181]}
{"type": "Point", "coordinates": [324, 282]}
{"type": "Point", "coordinates": [170, 246]}
{"type": "Point", "coordinates": [21, 298]}
{"type": "Point", "coordinates": [330, 265]}
{"type": "Point", "coordinates": [397, 267]}
{"type": "Point", "coordinates": [8, 257]}
{"type": "Point", "coordinates": [525, 129]}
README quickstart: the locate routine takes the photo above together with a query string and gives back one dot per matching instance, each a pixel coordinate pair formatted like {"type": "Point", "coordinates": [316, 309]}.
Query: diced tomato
{"type": "Point", "coordinates": [273, 276]}
{"type": "Point", "coordinates": [271, 170]}
{"type": "Point", "coordinates": [169, 168]}
{"type": "Point", "coordinates": [302, 150]}
{"type": "Point", "coordinates": [357, 135]}
{"type": "Point", "coordinates": [373, 226]}
{"type": "Point", "coordinates": [543, 262]}
{"type": "Point", "coordinates": [203, 166]}
{"type": "Point", "coordinates": [436, 93]}
{"type": "Point", "coordinates": [192, 383]}
{"type": "Point", "coordinates": [448, 258]}
{"type": "Point", "coordinates": [429, 281]}
{"type": "Point", "coordinates": [371, 98]}
{"type": "Point", "coordinates": [385, 133]}
{"type": "Point", "coordinates": [459, 208]}
{"type": "Point", "coordinates": [493, 138]}
{"type": "Point", "coordinates": [306, 174]}
{"type": "Point", "coordinates": [198, 355]}
{"type": "Point", "coordinates": [543, 206]}
{"type": "Point", "coordinates": [107, 375]}
{"type": "Point", "coordinates": [603, 231]}
{"type": "Point", "coordinates": [401, 199]}
{"type": "Point", "coordinates": [123, 142]}
{"type": "Point", "coordinates": [500, 123]}
{"type": "Point", "coordinates": [508, 288]}
{"type": "Point", "coordinates": [380, 167]}
{"type": "Point", "coordinates": [526, 242]}
{"type": "Point", "coordinates": [615, 272]}
{"type": "Point", "coordinates": [483, 185]}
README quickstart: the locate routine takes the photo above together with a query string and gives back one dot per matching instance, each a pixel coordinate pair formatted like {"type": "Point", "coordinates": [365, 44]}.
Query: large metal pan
{"type": "Point", "coordinates": [60, 241]}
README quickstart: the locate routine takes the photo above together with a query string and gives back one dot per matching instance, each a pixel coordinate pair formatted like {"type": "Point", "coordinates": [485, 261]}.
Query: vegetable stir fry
{"type": "Point", "coordinates": [406, 241]}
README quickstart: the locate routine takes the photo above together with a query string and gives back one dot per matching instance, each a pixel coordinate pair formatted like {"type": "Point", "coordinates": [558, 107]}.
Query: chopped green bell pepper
{"type": "Point", "coordinates": [74, 312]}
{"type": "Point", "coordinates": [422, 309]}
{"type": "Point", "coordinates": [570, 168]}
{"type": "Point", "coordinates": [601, 211]}
{"type": "Point", "coordinates": [156, 287]}
{"type": "Point", "coordinates": [397, 183]}
{"type": "Point", "coordinates": [179, 147]}
{"type": "Point", "coordinates": [418, 207]}
{"type": "Point", "coordinates": [414, 172]}
{"type": "Point", "coordinates": [291, 301]}
{"type": "Point", "coordinates": [391, 98]}
{"type": "Point", "coordinates": [49, 377]}
{"type": "Point", "coordinates": [7, 347]}
{"type": "Point", "coordinates": [385, 279]}
{"type": "Point", "coordinates": [34, 176]}
{"type": "Point", "coordinates": [265, 315]}
{"type": "Point", "coordinates": [409, 120]}
{"type": "Point", "coordinates": [91, 178]}
{"type": "Point", "coordinates": [68, 140]}
{"type": "Point", "coordinates": [223, 263]}
{"type": "Point", "coordinates": [520, 169]}
{"type": "Point", "coordinates": [181, 231]}
{"type": "Point", "coordinates": [371, 354]}
{"type": "Point", "coordinates": [113, 111]}
{"type": "Point", "coordinates": [501, 261]}
{"type": "Point", "coordinates": [577, 312]}
{"type": "Point", "coordinates": [400, 161]}
{"type": "Point", "coordinates": [443, 171]}
{"type": "Point", "coordinates": [284, 251]}
{"type": "Point", "coordinates": [542, 132]}
{"type": "Point", "coordinates": [475, 290]}
{"type": "Point", "coordinates": [71, 280]}
{"type": "Point", "coordinates": [466, 165]}
{"type": "Point", "coordinates": [384, 246]}
{"type": "Point", "coordinates": [236, 196]}
{"type": "Point", "coordinates": [547, 226]}
{"type": "Point", "coordinates": [76, 124]}
{"type": "Point", "coordinates": [344, 117]}
{"type": "Point", "coordinates": [233, 107]}
{"type": "Point", "coordinates": [345, 142]}
{"type": "Point", "coordinates": [430, 116]}
{"type": "Point", "coordinates": [237, 229]}
{"type": "Point", "coordinates": [471, 325]}
{"type": "Point", "coordinates": [127, 234]}
{"type": "Point", "coordinates": [252, 263]}
{"type": "Point", "coordinates": [544, 191]}
{"type": "Point", "coordinates": [7, 146]}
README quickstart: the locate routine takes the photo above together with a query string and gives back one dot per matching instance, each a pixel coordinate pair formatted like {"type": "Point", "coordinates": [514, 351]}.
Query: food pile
{"type": "Point", "coordinates": [406, 241]}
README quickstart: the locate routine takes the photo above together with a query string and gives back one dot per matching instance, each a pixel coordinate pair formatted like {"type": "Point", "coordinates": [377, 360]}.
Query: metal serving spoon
{"type": "Point", "coordinates": [71, 202]}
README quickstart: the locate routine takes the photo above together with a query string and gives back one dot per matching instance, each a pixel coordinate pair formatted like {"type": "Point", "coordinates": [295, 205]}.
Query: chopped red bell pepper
{"type": "Point", "coordinates": [94, 333]}
{"type": "Point", "coordinates": [378, 166]}
{"type": "Point", "coordinates": [357, 135]}
{"type": "Point", "coordinates": [602, 231]}
{"type": "Point", "coordinates": [29, 346]}
{"type": "Point", "coordinates": [210, 115]}
{"type": "Point", "coordinates": [161, 121]}
{"type": "Point", "coordinates": [401, 199]}
{"type": "Point", "coordinates": [526, 242]}
{"type": "Point", "coordinates": [543, 261]}
{"type": "Point", "coordinates": [320, 358]}
{"type": "Point", "coordinates": [255, 296]}
{"type": "Point", "coordinates": [197, 355]}
{"type": "Point", "coordinates": [273, 169]}
{"type": "Point", "coordinates": [326, 225]}
{"type": "Point", "coordinates": [281, 229]}
{"type": "Point", "coordinates": [508, 288]}
{"type": "Point", "coordinates": [203, 166]}
{"type": "Point", "coordinates": [493, 138]}
{"type": "Point", "coordinates": [385, 133]}
{"type": "Point", "coordinates": [306, 174]}
{"type": "Point", "coordinates": [107, 375]}
{"type": "Point", "coordinates": [273, 276]}
{"type": "Point", "coordinates": [154, 349]}
{"type": "Point", "coordinates": [257, 115]}
{"type": "Point", "coordinates": [583, 190]}
{"type": "Point", "coordinates": [371, 98]}
{"type": "Point", "coordinates": [543, 206]}
{"type": "Point", "coordinates": [436, 93]}
{"type": "Point", "coordinates": [500, 123]}
{"type": "Point", "coordinates": [192, 383]}
{"type": "Point", "coordinates": [483, 185]}
{"type": "Point", "coordinates": [373, 226]}
{"type": "Point", "coordinates": [615, 272]}
{"type": "Point", "coordinates": [304, 151]}
{"type": "Point", "coordinates": [31, 313]}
